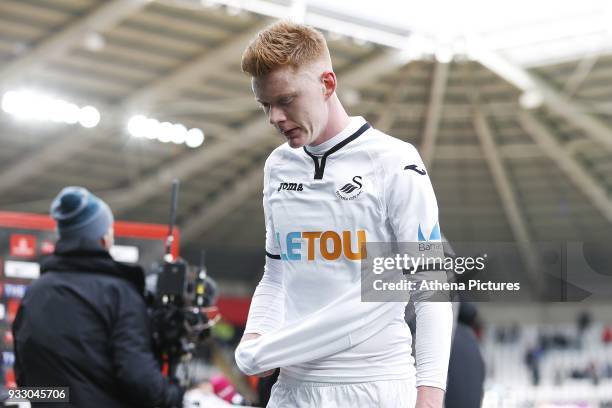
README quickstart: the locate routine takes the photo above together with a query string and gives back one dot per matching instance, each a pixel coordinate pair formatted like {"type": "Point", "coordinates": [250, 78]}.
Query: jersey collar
{"type": "Point", "coordinates": [355, 122]}
{"type": "Point", "coordinates": [339, 141]}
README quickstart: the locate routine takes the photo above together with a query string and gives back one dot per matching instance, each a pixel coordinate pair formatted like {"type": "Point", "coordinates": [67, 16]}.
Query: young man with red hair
{"type": "Point", "coordinates": [334, 185]}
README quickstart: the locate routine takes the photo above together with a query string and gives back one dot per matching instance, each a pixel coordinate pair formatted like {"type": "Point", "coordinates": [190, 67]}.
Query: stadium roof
{"type": "Point", "coordinates": [515, 128]}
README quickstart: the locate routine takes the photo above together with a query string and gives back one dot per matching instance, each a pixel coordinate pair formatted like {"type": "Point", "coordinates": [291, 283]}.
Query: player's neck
{"type": "Point", "coordinates": [338, 119]}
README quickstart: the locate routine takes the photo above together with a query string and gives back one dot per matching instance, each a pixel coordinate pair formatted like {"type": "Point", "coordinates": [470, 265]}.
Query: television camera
{"type": "Point", "coordinates": [180, 298]}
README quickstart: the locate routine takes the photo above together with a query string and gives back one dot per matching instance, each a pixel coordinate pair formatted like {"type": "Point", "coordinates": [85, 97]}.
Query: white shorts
{"type": "Point", "coordinates": [375, 394]}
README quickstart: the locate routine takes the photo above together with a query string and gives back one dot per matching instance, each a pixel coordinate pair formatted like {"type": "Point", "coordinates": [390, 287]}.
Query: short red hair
{"type": "Point", "coordinates": [283, 44]}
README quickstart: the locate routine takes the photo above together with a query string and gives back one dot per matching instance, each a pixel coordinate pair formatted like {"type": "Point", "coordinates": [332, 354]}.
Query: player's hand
{"type": "Point", "coordinates": [205, 387]}
{"type": "Point", "coordinates": [253, 336]}
{"type": "Point", "coordinates": [429, 397]}
{"type": "Point", "coordinates": [249, 336]}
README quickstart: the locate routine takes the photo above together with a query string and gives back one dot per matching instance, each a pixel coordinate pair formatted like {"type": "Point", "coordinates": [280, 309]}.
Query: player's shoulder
{"type": "Point", "coordinates": [282, 159]}
{"type": "Point", "coordinates": [390, 149]}
{"type": "Point", "coordinates": [281, 154]}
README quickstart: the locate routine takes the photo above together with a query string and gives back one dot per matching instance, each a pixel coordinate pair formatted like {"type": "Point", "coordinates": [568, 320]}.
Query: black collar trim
{"type": "Point", "coordinates": [320, 167]}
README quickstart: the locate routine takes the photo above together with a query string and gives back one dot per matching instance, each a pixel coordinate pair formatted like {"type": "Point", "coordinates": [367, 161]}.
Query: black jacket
{"type": "Point", "coordinates": [84, 324]}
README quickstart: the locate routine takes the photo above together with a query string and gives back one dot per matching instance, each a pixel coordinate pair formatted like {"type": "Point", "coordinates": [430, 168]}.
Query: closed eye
{"type": "Point", "coordinates": [285, 101]}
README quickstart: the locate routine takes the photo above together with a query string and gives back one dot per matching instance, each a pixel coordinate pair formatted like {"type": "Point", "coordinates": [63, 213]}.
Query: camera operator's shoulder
{"type": "Point", "coordinates": [128, 289]}
{"type": "Point", "coordinates": [114, 291]}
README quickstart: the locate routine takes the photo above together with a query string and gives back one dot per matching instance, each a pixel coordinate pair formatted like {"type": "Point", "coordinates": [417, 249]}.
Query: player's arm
{"type": "Point", "coordinates": [266, 312]}
{"type": "Point", "coordinates": [434, 326]}
{"type": "Point", "coordinates": [267, 306]}
{"type": "Point", "coordinates": [338, 326]}
{"type": "Point", "coordinates": [413, 212]}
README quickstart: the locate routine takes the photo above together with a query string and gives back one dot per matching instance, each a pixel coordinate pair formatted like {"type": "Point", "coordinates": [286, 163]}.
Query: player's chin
{"type": "Point", "coordinates": [296, 141]}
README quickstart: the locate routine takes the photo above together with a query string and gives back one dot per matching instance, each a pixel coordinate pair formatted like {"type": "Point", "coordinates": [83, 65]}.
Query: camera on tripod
{"type": "Point", "coordinates": [181, 299]}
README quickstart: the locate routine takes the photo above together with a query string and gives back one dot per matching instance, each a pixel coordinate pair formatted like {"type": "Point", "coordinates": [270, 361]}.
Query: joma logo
{"type": "Point", "coordinates": [290, 187]}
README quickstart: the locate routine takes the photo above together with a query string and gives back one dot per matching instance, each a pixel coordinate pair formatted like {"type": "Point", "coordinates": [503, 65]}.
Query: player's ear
{"type": "Point", "coordinates": [328, 79]}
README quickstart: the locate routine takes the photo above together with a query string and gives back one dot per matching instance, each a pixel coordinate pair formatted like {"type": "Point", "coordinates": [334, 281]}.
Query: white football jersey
{"type": "Point", "coordinates": [320, 204]}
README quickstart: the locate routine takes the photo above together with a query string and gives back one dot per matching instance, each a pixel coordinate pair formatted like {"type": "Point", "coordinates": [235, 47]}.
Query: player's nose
{"type": "Point", "coordinates": [276, 116]}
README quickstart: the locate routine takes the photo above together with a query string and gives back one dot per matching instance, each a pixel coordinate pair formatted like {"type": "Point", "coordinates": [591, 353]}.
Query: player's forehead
{"type": "Point", "coordinates": [278, 83]}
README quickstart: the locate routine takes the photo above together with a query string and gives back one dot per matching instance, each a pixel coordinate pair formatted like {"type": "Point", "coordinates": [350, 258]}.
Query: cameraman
{"type": "Point", "coordinates": [84, 323]}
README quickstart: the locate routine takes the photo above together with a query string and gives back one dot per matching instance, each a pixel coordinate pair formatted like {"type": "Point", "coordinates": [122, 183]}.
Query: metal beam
{"type": "Point", "coordinates": [554, 100]}
{"type": "Point", "coordinates": [316, 16]}
{"type": "Point", "coordinates": [107, 15]}
{"type": "Point", "coordinates": [526, 151]}
{"type": "Point", "coordinates": [232, 198]}
{"type": "Point", "coordinates": [417, 110]}
{"type": "Point", "coordinates": [49, 153]}
{"type": "Point", "coordinates": [576, 173]}
{"type": "Point", "coordinates": [459, 152]}
{"type": "Point", "coordinates": [514, 151]}
{"type": "Point", "coordinates": [508, 198]}
{"type": "Point", "coordinates": [576, 145]}
{"type": "Point", "coordinates": [200, 161]}
{"type": "Point", "coordinates": [434, 112]}
{"type": "Point", "coordinates": [188, 106]}
{"type": "Point", "coordinates": [82, 139]}
{"type": "Point", "coordinates": [580, 74]}
{"type": "Point", "coordinates": [196, 70]}
{"type": "Point", "coordinates": [382, 64]}
{"type": "Point", "coordinates": [387, 116]}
